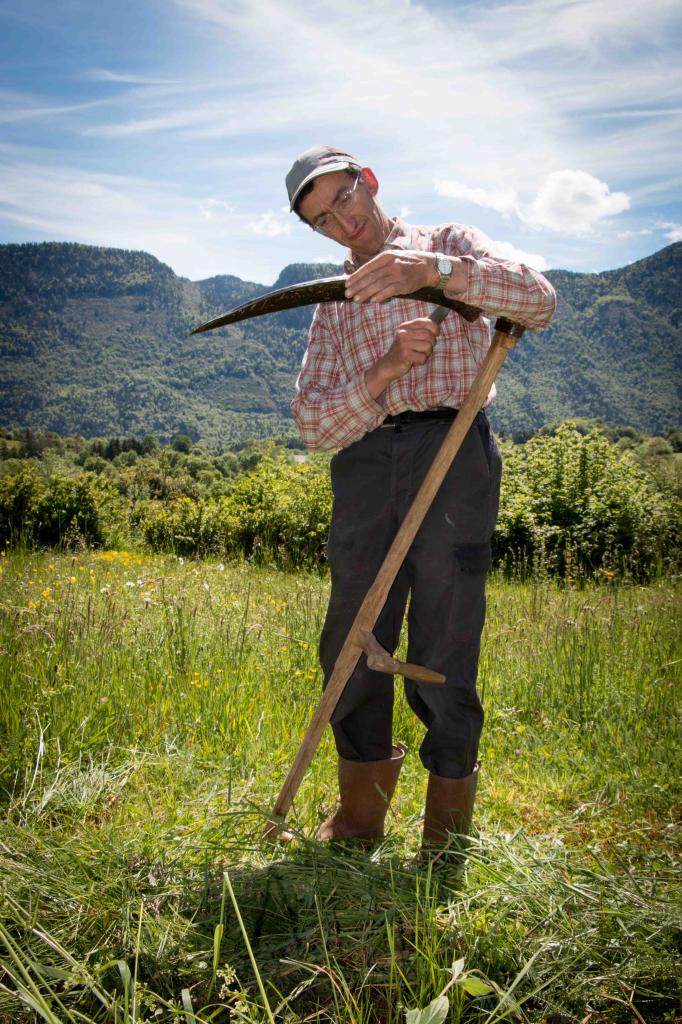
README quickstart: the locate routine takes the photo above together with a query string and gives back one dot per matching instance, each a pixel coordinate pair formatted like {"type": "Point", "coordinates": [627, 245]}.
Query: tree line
{"type": "Point", "coordinates": [575, 502]}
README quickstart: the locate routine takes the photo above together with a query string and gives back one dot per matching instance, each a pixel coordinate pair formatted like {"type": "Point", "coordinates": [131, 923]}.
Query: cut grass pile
{"type": "Point", "coordinates": [150, 711]}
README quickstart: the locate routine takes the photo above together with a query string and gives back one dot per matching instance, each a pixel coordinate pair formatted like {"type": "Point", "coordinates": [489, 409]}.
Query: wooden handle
{"type": "Point", "coordinates": [503, 341]}
{"type": "Point", "coordinates": [380, 660]}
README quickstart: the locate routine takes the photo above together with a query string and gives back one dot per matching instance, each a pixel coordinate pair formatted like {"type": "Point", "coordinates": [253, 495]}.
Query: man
{"type": "Point", "coordinates": [382, 382]}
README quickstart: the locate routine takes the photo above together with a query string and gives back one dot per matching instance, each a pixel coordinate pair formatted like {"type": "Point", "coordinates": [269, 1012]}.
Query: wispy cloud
{"type": "Point", "coordinates": [635, 234]}
{"type": "Point", "coordinates": [126, 78]}
{"type": "Point", "coordinates": [509, 251]}
{"type": "Point", "coordinates": [504, 200]}
{"type": "Point", "coordinates": [674, 232]}
{"type": "Point", "coordinates": [213, 209]}
{"type": "Point", "coordinates": [270, 225]}
{"type": "Point", "coordinates": [495, 102]}
{"type": "Point", "coordinates": [16, 107]}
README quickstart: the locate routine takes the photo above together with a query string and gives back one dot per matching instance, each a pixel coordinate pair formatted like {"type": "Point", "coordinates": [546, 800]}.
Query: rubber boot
{"type": "Point", "coordinates": [447, 815]}
{"type": "Point", "coordinates": [365, 791]}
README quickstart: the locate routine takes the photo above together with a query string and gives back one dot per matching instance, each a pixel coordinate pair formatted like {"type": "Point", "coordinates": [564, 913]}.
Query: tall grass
{"type": "Point", "coordinates": [150, 710]}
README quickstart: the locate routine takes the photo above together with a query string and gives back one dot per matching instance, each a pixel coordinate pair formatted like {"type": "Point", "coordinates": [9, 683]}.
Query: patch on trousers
{"type": "Point", "coordinates": [473, 559]}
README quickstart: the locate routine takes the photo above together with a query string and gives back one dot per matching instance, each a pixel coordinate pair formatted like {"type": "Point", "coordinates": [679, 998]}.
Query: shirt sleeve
{"type": "Point", "coordinates": [330, 412]}
{"type": "Point", "coordinates": [500, 287]}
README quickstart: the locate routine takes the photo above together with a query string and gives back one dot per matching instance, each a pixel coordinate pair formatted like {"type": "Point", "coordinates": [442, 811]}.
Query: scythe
{"type": "Point", "coordinates": [360, 638]}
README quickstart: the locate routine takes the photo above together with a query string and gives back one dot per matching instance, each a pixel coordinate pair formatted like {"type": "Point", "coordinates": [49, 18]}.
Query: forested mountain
{"type": "Point", "coordinates": [613, 350]}
{"type": "Point", "coordinates": [95, 341]}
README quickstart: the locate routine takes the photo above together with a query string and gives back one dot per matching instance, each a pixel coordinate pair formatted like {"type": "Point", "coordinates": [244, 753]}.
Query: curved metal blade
{"type": "Point", "coordinates": [325, 289]}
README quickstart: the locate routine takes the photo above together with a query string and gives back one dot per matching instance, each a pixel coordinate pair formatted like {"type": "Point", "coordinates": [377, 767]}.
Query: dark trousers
{"type": "Point", "coordinates": [374, 482]}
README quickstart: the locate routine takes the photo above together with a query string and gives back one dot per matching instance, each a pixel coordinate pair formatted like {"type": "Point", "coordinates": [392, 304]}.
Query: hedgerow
{"type": "Point", "coordinates": [279, 511]}
{"type": "Point", "coordinates": [573, 505]}
{"type": "Point", "coordinates": [58, 512]}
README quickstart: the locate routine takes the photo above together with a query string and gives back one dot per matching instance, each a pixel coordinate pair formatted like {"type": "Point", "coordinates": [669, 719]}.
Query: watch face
{"type": "Point", "coordinates": [444, 266]}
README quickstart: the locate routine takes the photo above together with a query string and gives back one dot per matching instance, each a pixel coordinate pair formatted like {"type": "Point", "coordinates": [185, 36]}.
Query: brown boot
{"type": "Point", "coordinates": [365, 790]}
{"type": "Point", "coordinates": [449, 806]}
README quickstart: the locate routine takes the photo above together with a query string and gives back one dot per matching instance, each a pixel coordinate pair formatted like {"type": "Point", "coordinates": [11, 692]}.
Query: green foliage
{"type": "Point", "coordinates": [572, 503]}
{"type": "Point", "coordinates": [279, 510]}
{"type": "Point", "coordinates": [65, 511]}
{"type": "Point", "coordinates": [95, 341]}
{"type": "Point", "coordinates": [69, 510]}
{"type": "Point", "coordinates": [181, 443]}
{"type": "Point", "coordinates": [19, 496]}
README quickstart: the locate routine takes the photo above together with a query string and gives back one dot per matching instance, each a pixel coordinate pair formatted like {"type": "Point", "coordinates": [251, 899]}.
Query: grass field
{"type": "Point", "coordinates": [150, 711]}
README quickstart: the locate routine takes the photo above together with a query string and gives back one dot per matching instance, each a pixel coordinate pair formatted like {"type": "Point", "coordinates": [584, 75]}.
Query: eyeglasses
{"type": "Point", "coordinates": [342, 206]}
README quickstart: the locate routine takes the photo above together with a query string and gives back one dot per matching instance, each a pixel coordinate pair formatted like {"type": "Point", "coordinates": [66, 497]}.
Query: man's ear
{"type": "Point", "coordinates": [370, 179]}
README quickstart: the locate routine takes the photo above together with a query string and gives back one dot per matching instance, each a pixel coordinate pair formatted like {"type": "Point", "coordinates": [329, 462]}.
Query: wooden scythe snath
{"type": "Point", "coordinates": [360, 638]}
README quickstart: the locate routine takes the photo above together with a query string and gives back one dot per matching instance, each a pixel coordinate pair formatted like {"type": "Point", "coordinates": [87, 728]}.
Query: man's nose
{"type": "Point", "coordinates": [347, 221]}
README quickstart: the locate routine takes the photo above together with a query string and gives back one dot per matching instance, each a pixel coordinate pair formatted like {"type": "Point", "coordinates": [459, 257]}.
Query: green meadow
{"type": "Point", "coordinates": [151, 707]}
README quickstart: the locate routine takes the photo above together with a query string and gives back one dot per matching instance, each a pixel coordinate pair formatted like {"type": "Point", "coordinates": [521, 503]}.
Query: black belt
{"type": "Point", "coordinates": [402, 419]}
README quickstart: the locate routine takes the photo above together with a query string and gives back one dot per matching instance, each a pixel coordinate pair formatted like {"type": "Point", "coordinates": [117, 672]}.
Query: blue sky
{"type": "Point", "coordinates": [168, 125]}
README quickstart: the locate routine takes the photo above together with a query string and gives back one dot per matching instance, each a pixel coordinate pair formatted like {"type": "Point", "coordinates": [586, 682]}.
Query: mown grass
{"type": "Point", "coordinates": [150, 710]}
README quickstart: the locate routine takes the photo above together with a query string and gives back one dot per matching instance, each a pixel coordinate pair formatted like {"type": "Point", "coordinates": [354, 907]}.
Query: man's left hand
{"type": "Point", "coordinates": [394, 273]}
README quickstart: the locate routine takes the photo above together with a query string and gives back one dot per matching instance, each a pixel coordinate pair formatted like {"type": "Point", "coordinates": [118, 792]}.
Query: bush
{"type": "Point", "coordinates": [19, 496]}
{"type": "Point", "coordinates": [279, 511]}
{"type": "Point", "coordinates": [63, 511]}
{"type": "Point", "coordinates": [573, 503]}
{"type": "Point", "coordinates": [69, 510]}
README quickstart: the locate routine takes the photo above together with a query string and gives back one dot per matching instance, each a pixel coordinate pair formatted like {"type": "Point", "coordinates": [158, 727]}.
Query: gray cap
{"type": "Point", "coordinates": [316, 161]}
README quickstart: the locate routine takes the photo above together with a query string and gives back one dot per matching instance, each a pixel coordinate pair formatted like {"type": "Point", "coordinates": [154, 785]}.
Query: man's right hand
{"type": "Point", "coordinates": [413, 344]}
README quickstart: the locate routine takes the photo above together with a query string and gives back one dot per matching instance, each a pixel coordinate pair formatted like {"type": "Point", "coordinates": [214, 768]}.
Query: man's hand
{"type": "Point", "coordinates": [400, 273]}
{"type": "Point", "coordinates": [392, 273]}
{"type": "Point", "coordinates": [413, 344]}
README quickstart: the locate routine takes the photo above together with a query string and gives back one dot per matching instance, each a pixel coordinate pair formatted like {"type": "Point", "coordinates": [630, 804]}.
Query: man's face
{"type": "Point", "coordinates": [363, 227]}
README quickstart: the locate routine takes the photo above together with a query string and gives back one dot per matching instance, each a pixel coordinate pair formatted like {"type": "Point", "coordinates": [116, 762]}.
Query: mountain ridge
{"type": "Point", "coordinates": [94, 341]}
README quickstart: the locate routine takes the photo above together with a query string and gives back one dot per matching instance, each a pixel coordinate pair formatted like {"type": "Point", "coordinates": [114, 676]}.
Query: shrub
{"type": "Point", "coordinates": [19, 496]}
{"type": "Point", "coordinates": [70, 510]}
{"type": "Point", "coordinates": [61, 512]}
{"type": "Point", "coordinates": [572, 502]}
{"type": "Point", "coordinates": [279, 511]}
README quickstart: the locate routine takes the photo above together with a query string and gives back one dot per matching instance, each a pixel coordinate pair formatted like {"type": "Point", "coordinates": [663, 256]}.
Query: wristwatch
{"type": "Point", "coordinates": [444, 267]}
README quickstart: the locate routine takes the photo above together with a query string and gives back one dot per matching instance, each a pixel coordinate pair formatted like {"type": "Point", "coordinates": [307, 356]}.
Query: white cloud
{"type": "Point", "coordinates": [508, 251]}
{"type": "Point", "coordinates": [212, 209]}
{"type": "Point", "coordinates": [576, 27]}
{"type": "Point", "coordinates": [219, 107]}
{"type": "Point", "coordinates": [573, 202]}
{"type": "Point", "coordinates": [123, 78]}
{"type": "Point", "coordinates": [504, 200]}
{"type": "Point", "coordinates": [634, 234]}
{"type": "Point", "coordinates": [674, 234]}
{"type": "Point", "coordinates": [18, 107]}
{"type": "Point", "coordinates": [66, 203]}
{"type": "Point", "coordinates": [270, 224]}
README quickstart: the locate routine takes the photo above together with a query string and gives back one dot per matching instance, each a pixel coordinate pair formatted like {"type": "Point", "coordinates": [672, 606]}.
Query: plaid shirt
{"type": "Point", "coordinates": [332, 406]}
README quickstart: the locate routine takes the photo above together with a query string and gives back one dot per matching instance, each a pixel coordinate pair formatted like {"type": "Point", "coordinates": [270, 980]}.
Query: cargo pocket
{"type": "Point", "coordinates": [473, 559]}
